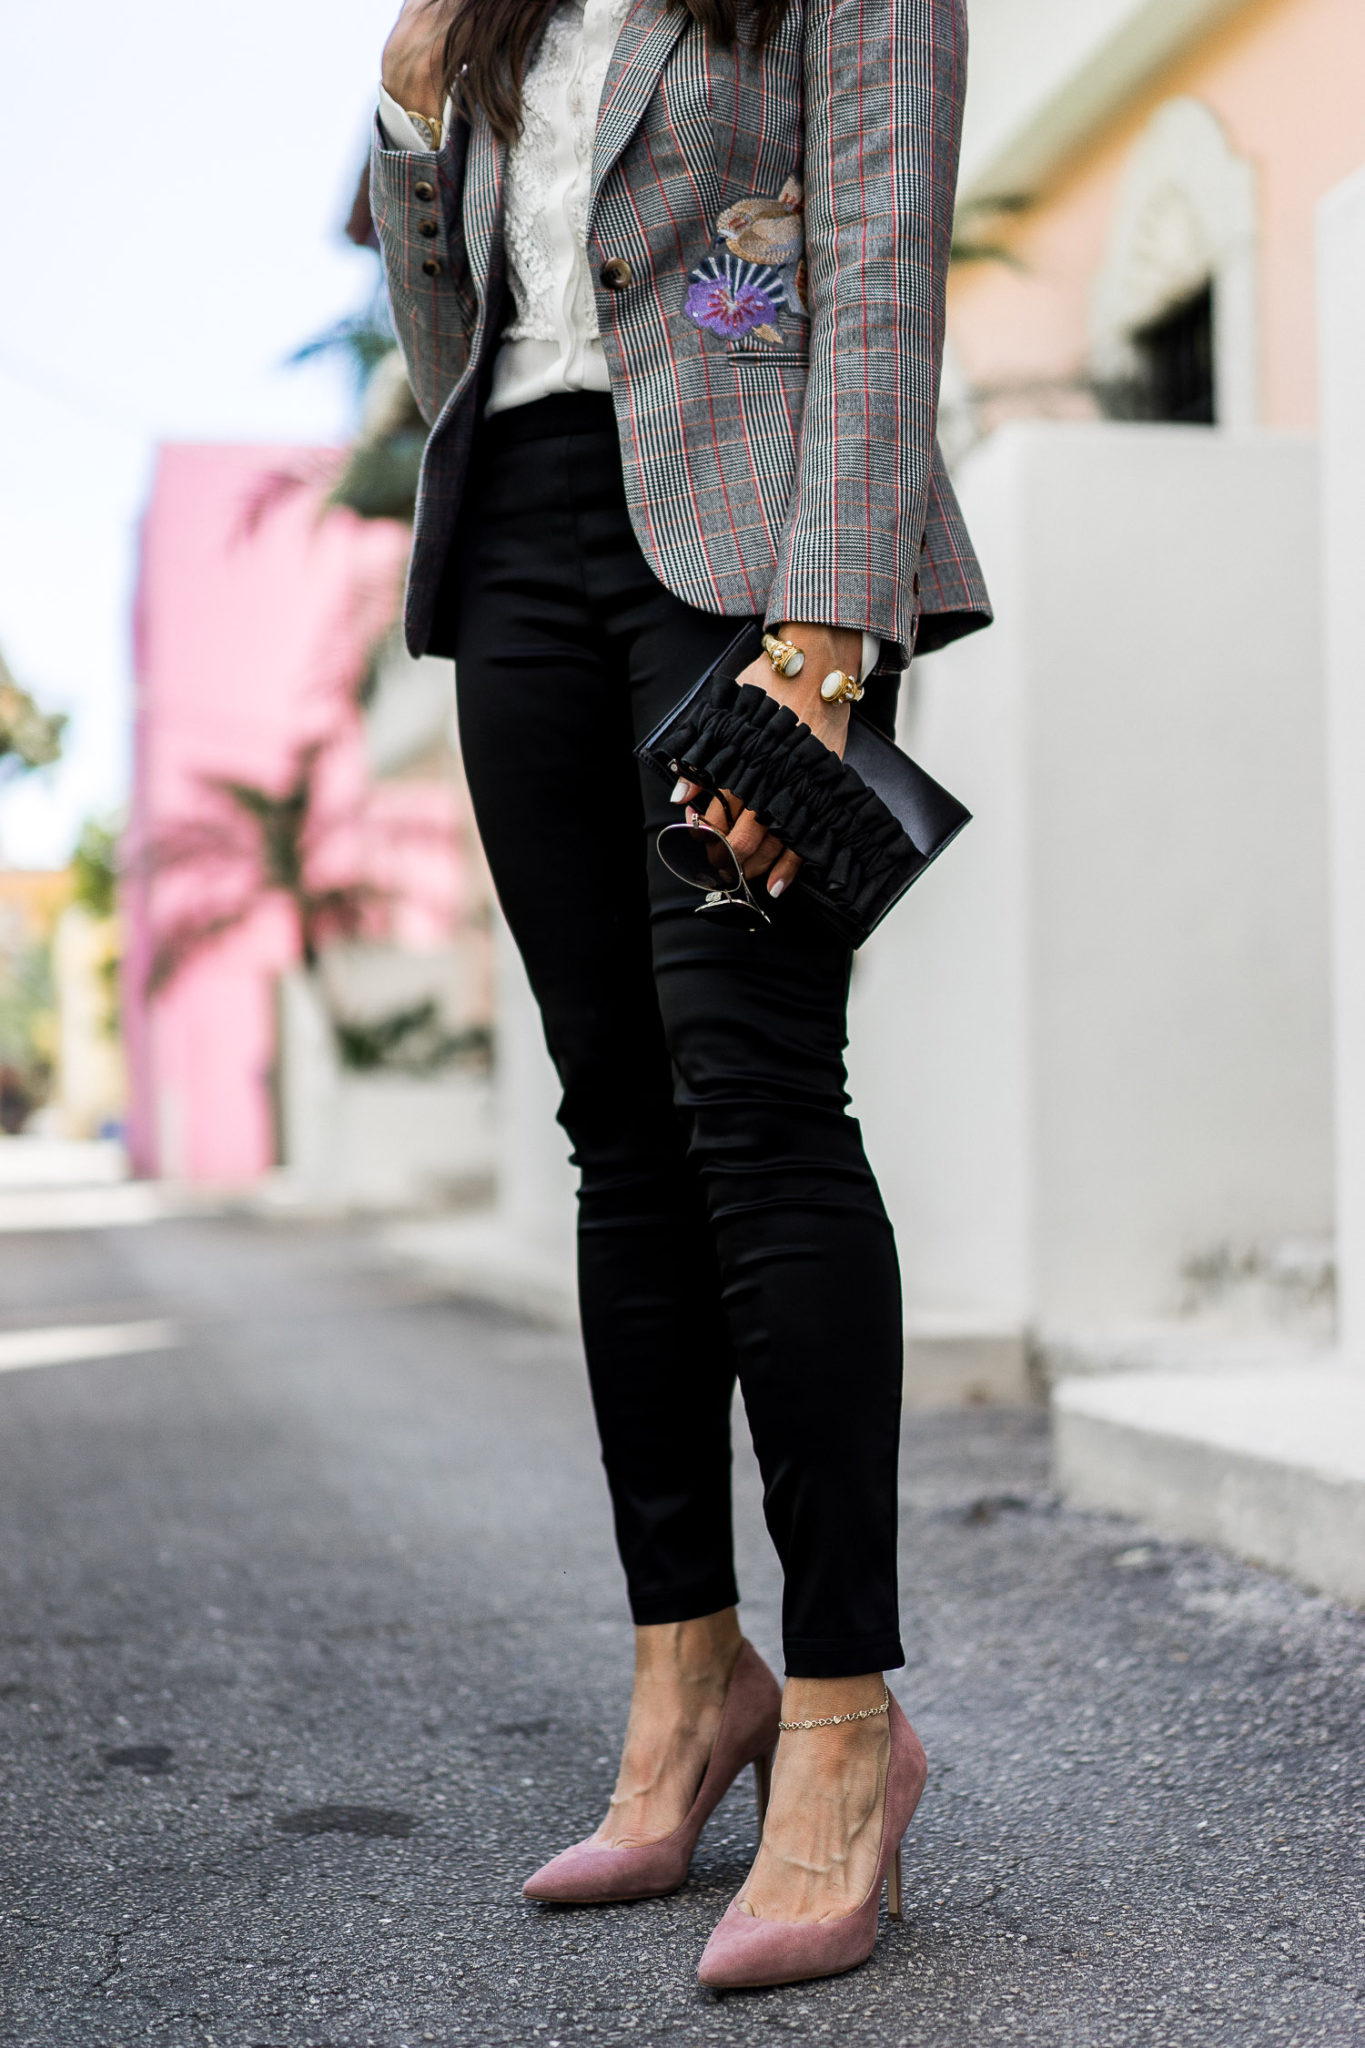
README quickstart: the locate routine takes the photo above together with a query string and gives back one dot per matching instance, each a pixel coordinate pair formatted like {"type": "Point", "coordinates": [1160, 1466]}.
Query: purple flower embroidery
{"type": "Point", "coordinates": [730, 297]}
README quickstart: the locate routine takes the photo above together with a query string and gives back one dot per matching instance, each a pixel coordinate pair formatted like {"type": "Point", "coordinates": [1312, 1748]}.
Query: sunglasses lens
{"type": "Point", "coordinates": [734, 912]}
{"type": "Point", "coordinates": [699, 856]}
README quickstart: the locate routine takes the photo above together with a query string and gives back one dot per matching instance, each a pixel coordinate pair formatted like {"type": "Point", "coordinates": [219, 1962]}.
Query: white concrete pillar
{"type": "Point", "coordinates": [1093, 1043]}
{"type": "Point", "coordinates": [1341, 312]}
{"type": "Point", "coordinates": [519, 1253]}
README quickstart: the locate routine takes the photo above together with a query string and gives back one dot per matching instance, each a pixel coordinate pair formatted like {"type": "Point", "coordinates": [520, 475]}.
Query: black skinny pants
{"type": "Point", "coordinates": [728, 1220]}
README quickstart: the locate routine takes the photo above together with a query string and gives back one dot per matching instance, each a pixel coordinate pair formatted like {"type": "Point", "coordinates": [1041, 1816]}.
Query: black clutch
{"type": "Point", "coordinates": [865, 826]}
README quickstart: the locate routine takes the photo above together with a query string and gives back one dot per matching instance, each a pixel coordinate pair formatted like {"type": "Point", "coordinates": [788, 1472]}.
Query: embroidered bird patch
{"type": "Point", "coordinates": [756, 268]}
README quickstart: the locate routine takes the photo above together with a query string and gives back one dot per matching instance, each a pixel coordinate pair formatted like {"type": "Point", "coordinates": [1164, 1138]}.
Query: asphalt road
{"type": "Point", "coordinates": [312, 1644]}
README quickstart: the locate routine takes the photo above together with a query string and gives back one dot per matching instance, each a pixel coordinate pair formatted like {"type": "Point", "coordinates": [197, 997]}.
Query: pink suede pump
{"type": "Point", "coordinates": [744, 1952]}
{"type": "Point", "coordinates": [593, 1873]}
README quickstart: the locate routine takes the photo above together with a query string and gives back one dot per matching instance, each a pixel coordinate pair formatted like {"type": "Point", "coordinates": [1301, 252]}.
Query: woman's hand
{"type": "Point", "coordinates": [825, 648]}
{"type": "Point", "coordinates": [412, 57]}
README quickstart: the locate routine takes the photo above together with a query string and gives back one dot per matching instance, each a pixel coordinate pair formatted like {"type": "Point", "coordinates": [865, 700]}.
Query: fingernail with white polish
{"type": "Point", "coordinates": [681, 790]}
{"type": "Point", "coordinates": [776, 888]}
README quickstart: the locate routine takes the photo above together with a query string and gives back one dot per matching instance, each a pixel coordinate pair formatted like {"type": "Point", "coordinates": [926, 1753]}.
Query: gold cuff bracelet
{"type": "Point", "coordinates": [786, 658]}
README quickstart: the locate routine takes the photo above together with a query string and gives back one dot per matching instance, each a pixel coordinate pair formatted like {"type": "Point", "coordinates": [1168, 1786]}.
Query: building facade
{"type": "Point", "coordinates": [1149, 172]}
{"type": "Point", "coordinates": [296, 806]}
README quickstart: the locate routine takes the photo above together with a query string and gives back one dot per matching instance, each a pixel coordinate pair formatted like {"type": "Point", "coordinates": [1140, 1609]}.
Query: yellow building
{"type": "Point", "coordinates": [31, 902]}
{"type": "Point", "coordinates": [60, 1052]}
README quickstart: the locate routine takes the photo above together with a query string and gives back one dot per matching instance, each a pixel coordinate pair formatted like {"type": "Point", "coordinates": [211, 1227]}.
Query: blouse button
{"type": "Point", "coordinates": [616, 273]}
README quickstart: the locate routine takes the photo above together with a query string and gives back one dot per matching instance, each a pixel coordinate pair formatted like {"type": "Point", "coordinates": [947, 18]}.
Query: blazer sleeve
{"type": "Point", "coordinates": [884, 88]}
{"type": "Point", "coordinates": [416, 199]}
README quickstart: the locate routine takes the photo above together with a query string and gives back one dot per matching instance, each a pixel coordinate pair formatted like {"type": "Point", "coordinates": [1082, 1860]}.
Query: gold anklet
{"type": "Point", "coordinates": [833, 1720]}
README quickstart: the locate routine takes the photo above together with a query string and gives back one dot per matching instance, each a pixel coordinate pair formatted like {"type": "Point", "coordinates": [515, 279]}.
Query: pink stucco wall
{"type": "Point", "coordinates": [1286, 78]}
{"type": "Point", "coordinates": [250, 642]}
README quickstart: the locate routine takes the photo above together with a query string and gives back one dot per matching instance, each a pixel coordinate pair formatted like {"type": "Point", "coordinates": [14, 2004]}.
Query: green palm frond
{"type": "Point", "coordinates": [379, 479]}
{"type": "Point", "coordinates": [29, 738]}
{"type": "Point", "coordinates": [360, 340]}
{"type": "Point", "coordinates": [973, 231]}
{"type": "Point", "coordinates": [94, 868]}
{"type": "Point", "coordinates": [412, 1041]}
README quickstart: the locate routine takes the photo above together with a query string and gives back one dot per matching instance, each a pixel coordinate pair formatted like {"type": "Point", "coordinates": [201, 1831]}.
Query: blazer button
{"type": "Point", "coordinates": [616, 273]}
{"type": "Point", "coordinates": [432, 267]}
{"type": "Point", "coordinates": [427, 228]}
{"type": "Point", "coordinates": [424, 191]}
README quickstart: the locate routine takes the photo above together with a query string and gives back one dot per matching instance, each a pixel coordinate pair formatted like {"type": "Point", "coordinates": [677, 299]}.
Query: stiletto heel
{"type": "Point", "coordinates": [594, 1873]}
{"type": "Point", "coordinates": [763, 1785]}
{"type": "Point", "coordinates": [745, 1952]}
{"type": "Point", "coordinates": [893, 1887]}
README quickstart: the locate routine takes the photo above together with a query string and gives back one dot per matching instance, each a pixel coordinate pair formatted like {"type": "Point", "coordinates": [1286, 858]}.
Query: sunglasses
{"type": "Point", "coordinates": [701, 855]}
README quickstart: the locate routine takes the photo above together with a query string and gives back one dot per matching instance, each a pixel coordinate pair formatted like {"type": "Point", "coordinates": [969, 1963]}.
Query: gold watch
{"type": "Point", "coordinates": [430, 125]}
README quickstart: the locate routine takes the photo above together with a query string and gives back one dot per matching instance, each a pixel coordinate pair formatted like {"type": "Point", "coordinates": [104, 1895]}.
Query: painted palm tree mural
{"type": "Point", "coordinates": [250, 843]}
{"type": "Point", "coordinates": [250, 846]}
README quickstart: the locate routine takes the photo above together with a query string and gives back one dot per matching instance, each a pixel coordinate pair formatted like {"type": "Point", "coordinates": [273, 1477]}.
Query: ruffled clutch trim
{"type": "Point", "coordinates": [739, 738]}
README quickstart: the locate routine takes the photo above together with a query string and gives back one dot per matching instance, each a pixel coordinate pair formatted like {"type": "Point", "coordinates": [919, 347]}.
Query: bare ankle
{"type": "Point", "coordinates": [691, 1655]}
{"type": "Point", "coordinates": [820, 1699]}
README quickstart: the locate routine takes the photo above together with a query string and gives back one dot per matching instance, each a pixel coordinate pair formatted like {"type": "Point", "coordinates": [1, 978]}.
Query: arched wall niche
{"type": "Point", "coordinates": [1186, 217]}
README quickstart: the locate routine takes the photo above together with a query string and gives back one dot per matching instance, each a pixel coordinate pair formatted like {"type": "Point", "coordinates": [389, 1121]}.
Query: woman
{"type": "Point", "coordinates": [669, 281]}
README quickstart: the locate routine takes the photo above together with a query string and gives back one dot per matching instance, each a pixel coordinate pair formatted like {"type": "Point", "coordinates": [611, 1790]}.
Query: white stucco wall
{"type": "Point", "coordinates": [1341, 312]}
{"type": "Point", "coordinates": [1094, 1040]}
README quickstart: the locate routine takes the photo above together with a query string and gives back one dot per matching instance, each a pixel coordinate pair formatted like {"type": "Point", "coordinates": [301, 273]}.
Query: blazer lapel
{"type": "Point", "coordinates": [642, 48]}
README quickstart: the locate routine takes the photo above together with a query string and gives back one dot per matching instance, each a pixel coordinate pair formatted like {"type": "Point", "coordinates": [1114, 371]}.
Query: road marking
{"type": "Point", "coordinates": [66, 1343]}
{"type": "Point", "coordinates": [111, 1208]}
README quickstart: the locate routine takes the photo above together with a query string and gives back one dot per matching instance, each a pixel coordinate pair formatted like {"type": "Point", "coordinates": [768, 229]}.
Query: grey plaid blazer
{"type": "Point", "coordinates": [776, 417]}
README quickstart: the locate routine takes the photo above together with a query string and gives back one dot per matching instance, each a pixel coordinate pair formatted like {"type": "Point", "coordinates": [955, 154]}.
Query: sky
{"type": "Point", "coordinates": [175, 177]}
